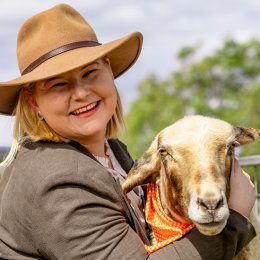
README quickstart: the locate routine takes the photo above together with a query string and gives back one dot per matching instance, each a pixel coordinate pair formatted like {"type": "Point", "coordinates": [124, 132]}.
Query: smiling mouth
{"type": "Point", "coordinates": [85, 109]}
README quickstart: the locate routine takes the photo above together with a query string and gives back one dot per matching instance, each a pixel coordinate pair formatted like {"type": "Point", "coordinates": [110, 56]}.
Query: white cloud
{"type": "Point", "coordinates": [6, 129]}
{"type": "Point", "coordinates": [188, 23]}
{"type": "Point", "coordinates": [123, 14]}
{"type": "Point", "coordinates": [255, 4]}
{"type": "Point", "coordinates": [159, 8]}
{"type": "Point", "coordinates": [17, 10]}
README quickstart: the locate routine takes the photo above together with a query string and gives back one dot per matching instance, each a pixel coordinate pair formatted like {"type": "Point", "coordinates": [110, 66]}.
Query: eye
{"type": "Point", "coordinates": [163, 152]}
{"type": "Point", "coordinates": [59, 84]}
{"type": "Point", "coordinates": [88, 73]}
{"type": "Point", "coordinates": [232, 147]}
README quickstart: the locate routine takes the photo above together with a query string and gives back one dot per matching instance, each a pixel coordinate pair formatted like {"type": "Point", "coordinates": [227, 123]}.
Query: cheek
{"type": "Point", "coordinates": [174, 180]}
{"type": "Point", "coordinates": [104, 87]}
{"type": "Point", "coordinates": [111, 97]}
{"type": "Point", "coordinates": [54, 110]}
{"type": "Point", "coordinates": [228, 168]}
{"type": "Point", "coordinates": [50, 107]}
{"type": "Point", "coordinates": [173, 173]}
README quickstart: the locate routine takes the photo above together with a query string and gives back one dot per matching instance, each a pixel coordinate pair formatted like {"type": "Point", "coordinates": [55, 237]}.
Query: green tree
{"type": "Point", "coordinates": [225, 84]}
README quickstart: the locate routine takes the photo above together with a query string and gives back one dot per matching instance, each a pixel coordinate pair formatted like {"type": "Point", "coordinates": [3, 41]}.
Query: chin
{"type": "Point", "coordinates": [210, 229]}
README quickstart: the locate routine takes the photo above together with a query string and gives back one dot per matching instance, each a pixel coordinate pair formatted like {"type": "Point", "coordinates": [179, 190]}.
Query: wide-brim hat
{"type": "Point", "coordinates": [59, 40]}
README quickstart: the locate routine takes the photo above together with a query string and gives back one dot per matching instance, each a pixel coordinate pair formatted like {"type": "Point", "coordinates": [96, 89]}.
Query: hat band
{"type": "Point", "coordinates": [57, 51]}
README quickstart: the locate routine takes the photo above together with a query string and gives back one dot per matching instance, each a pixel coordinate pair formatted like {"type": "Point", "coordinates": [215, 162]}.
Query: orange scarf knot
{"type": "Point", "coordinates": [165, 229]}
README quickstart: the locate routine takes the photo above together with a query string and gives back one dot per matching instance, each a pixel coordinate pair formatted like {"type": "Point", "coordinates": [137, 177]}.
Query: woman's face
{"type": "Point", "coordinates": [78, 104]}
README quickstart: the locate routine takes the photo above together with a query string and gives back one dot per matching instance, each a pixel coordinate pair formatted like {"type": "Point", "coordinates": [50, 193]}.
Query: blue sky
{"type": "Point", "coordinates": [166, 25]}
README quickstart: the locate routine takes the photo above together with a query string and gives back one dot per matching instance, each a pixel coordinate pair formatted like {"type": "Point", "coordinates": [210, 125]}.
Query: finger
{"type": "Point", "coordinates": [235, 166]}
{"type": "Point", "coordinates": [247, 175]}
{"type": "Point", "coordinates": [238, 170]}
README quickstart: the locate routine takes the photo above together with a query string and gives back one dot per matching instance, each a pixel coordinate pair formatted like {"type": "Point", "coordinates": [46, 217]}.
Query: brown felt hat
{"type": "Point", "coordinates": [59, 40]}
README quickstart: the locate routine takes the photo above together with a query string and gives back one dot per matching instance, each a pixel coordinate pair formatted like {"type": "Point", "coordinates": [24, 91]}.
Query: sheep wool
{"type": "Point", "coordinates": [165, 229]}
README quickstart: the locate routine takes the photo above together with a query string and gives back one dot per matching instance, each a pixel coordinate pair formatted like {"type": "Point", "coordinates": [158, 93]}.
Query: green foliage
{"type": "Point", "coordinates": [186, 52]}
{"type": "Point", "coordinates": [225, 85]}
{"type": "Point", "coordinates": [150, 113]}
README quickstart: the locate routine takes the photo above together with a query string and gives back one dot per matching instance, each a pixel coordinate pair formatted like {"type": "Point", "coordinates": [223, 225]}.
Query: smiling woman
{"type": "Point", "coordinates": [74, 105]}
{"type": "Point", "coordinates": [60, 194]}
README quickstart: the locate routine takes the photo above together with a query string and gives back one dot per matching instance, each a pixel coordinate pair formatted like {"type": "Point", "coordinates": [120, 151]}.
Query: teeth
{"type": "Point", "coordinates": [84, 109]}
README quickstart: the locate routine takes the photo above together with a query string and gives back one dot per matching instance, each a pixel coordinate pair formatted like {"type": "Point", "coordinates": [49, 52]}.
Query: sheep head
{"type": "Point", "coordinates": [191, 161]}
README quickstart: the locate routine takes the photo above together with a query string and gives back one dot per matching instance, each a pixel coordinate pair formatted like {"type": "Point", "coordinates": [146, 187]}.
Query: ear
{"type": "Point", "coordinates": [246, 135]}
{"type": "Point", "coordinates": [145, 170]}
{"type": "Point", "coordinates": [108, 64]}
{"type": "Point", "coordinates": [31, 100]}
{"type": "Point", "coordinates": [107, 60]}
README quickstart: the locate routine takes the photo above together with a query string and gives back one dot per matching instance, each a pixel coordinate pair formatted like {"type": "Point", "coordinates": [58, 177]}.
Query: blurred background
{"type": "Point", "coordinates": [198, 57]}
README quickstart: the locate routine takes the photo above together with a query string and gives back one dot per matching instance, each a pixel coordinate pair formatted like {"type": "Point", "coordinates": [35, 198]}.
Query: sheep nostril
{"type": "Point", "coordinates": [202, 204]}
{"type": "Point", "coordinates": [210, 204]}
{"type": "Point", "coordinates": [220, 203]}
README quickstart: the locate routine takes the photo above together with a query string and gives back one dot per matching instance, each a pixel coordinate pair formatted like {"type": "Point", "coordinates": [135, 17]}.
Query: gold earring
{"type": "Point", "coordinates": [39, 115]}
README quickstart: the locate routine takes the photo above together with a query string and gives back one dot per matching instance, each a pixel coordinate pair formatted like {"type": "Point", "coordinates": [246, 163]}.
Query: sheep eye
{"type": "Point", "coordinates": [232, 147]}
{"type": "Point", "coordinates": [163, 152]}
{"type": "Point", "coordinates": [234, 144]}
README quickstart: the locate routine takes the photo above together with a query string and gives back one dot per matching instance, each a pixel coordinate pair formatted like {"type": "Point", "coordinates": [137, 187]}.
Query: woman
{"type": "Point", "coordinates": [60, 195]}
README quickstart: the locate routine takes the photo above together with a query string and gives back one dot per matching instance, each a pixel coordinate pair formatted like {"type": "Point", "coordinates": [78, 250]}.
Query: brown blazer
{"type": "Point", "coordinates": [58, 202]}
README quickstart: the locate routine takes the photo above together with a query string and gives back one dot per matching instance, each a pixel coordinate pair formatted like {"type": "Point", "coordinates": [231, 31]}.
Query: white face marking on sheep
{"type": "Point", "coordinates": [191, 162]}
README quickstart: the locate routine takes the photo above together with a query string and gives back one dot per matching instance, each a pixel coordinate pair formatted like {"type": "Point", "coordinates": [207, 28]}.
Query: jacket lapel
{"type": "Point", "coordinates": [120, 151]}
{"type": "Point", "coordinates": [126, 162]}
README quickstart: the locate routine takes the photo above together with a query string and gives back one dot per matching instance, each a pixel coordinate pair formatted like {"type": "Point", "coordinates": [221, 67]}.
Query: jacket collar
{"type": "Point", "coordinates": [118, 148]}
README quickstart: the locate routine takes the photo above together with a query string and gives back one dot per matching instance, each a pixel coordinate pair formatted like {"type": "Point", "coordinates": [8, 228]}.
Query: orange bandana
{"type": "Point", "coordinates": [165, 229]}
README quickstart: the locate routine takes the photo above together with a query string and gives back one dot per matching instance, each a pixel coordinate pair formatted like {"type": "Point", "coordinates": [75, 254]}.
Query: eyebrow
{"type": "Point", "coordinates": [82, 68]}
{"type": "Point", "coordinates": [88, 65]}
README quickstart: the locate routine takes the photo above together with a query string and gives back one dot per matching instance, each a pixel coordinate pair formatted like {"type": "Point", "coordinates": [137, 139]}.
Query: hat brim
{"type": "Point", "coordinates": [122, 53]}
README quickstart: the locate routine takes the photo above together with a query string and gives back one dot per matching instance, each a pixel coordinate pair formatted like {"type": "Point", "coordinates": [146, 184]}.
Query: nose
{"type": "Point", "coordinates": [210, 204]}
{"type": "Point", "coordinates": [79, 89]}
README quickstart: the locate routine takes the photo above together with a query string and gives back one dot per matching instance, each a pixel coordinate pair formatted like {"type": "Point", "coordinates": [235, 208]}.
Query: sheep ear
{"type": "Point", "coordinates": [246, 135]}
{"type": "Point", "coordinates": [145, 170]}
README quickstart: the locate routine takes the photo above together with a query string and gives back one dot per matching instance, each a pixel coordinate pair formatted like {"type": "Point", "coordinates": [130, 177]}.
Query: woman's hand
{"type": "Point", "coordinates": [243, 192]}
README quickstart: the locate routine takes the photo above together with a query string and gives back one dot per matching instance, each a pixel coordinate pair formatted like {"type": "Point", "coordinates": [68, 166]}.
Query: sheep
{"type": "Point", "coordinates": [191, 162]}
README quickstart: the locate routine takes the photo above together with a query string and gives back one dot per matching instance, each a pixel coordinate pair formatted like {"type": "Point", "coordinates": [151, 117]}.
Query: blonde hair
{"type": "Point", "coordinates": [29, 127]}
